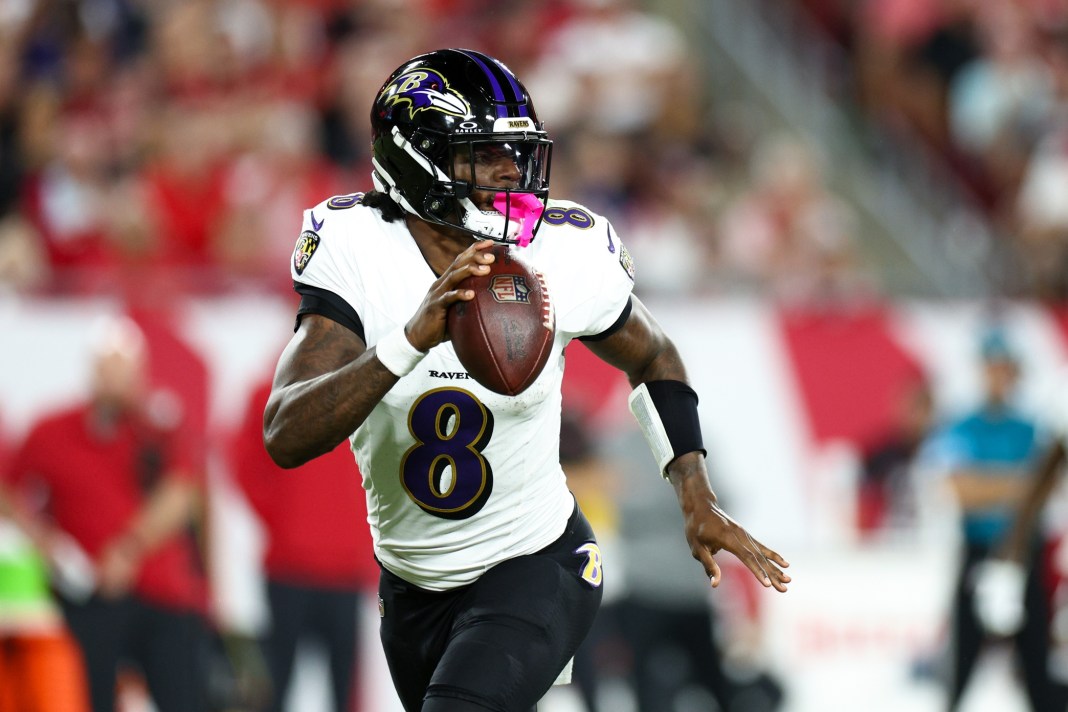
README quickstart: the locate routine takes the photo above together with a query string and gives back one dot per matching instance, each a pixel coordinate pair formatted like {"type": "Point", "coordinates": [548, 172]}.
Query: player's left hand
{"type": "Point", "coordinates": [710, 530]}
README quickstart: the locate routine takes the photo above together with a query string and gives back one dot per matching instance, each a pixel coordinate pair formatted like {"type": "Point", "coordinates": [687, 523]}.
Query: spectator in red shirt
{"type": "Point", "coordinates": [319, 559]}
{"type": "Point", "coordinates": [115, 479]}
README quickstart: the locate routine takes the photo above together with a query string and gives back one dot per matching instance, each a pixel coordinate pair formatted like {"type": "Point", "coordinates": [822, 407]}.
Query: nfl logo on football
{"type": "Point", "coordinates": [510, 288]}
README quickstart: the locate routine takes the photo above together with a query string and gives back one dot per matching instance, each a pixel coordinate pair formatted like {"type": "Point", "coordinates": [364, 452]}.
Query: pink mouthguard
{"type": "Point", "coordinates": [522, 207]}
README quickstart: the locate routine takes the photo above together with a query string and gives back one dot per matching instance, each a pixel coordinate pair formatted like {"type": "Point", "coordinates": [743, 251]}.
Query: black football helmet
{"type": "Point", "coordinates": [446, 108]}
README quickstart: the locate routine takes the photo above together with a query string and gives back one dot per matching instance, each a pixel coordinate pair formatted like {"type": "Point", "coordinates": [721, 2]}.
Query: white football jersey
{"type": "Point", "coordinates": [460, 478]}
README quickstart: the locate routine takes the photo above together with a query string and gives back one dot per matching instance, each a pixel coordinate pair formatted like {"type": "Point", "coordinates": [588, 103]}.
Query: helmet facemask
{"type": "Point", "coordinates": [510, 213]}
{"type": "Point", "coordinates": [454, 173]}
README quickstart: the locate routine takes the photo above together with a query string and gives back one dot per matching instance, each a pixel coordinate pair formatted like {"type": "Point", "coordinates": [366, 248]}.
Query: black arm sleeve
{"type": "Point", "coordinates": [616, 326]}
{"type": "Point", "coordinates": [676, 403]}
{"type": "Point", "coordinates": [314, 300]}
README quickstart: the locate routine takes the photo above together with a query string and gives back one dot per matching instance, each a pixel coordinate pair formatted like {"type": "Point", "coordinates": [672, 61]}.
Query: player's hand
{"type": "Point", "coordinates": [426, 329]}
{"type": "Point", "coordinates": [710, 530]}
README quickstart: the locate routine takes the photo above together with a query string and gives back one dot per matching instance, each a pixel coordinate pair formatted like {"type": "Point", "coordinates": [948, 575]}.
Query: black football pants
{"type": "Point", "coordinates": [497, 644]}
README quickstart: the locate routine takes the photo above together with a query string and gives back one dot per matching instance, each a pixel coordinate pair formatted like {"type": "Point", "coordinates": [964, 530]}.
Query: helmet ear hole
{"type": "Point", "coordinates": [436, 206]}
{"type": "Point", "coordinates": [429, 146]}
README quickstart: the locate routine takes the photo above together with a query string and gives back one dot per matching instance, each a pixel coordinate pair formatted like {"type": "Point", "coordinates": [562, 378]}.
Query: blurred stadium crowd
{"type": "Point", "coordinates": [170, 146]}
{"type": "Point", "coordinates": [153, 151]}
{"type": "Point", "coordinates": [983, 84]}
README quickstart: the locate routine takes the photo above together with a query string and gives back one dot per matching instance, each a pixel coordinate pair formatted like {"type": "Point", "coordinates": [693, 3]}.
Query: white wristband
{"type": "Point", "coordinates": [397, 353]}
{"type": "Point", "coordinates": [645, 412]}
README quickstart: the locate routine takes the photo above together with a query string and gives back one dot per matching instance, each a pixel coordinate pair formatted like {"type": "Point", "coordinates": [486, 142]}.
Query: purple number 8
{"type": "Point", "coordinates": [575, 217]}
{"type": "Point", "coordinates": [444, 472]}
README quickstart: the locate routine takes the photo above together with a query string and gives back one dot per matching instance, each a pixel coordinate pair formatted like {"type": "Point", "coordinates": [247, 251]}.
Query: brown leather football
{"type": "Point", "coordinates": [504, 335]}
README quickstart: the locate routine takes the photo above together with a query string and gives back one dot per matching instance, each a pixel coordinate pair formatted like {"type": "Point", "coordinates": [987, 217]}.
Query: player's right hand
{"type": "Point", "coordinates": [426, 329]}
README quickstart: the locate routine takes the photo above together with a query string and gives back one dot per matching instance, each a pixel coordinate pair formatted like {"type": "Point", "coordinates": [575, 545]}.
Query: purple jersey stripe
{"type": "Point", "coordinates": [498, 90]}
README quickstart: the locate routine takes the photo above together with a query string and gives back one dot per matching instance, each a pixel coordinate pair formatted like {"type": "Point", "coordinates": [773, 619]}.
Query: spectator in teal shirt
{"type": "Point", "coordinates": [987, 457]}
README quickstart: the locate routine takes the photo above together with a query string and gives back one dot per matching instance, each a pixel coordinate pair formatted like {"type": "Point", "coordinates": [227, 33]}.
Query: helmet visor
{"type": "Point", "coordinates": [492, 164]}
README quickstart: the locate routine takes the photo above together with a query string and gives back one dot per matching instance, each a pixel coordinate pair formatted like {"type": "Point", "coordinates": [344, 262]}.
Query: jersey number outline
{"type": "Point", "coordinates": [445, 472]}
{"type": "Point", "coordinates": [343, 202]}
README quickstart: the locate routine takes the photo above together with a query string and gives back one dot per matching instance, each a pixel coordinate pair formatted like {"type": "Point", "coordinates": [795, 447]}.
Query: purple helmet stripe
{"type": "Point", "coordinates": [518, 93]}
{"type": "Point", "coordinates": [498, 90]}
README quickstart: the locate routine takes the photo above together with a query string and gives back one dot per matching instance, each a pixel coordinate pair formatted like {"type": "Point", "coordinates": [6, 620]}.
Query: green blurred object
{"type": "Point", "coordinates": [23, 573]}
{"type": "Point", "coordinates": [25, 596]}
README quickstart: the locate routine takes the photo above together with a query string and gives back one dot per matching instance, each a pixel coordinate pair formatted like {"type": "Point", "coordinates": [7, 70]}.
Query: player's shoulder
{"type": "Point", "coordinates": [566, 224]}
{"type": "Point", "coordinates": [583, 233]}
{"type": "Point", "coordinates": [338, 212]}
{"type": "Point", "coordinates": [336, 228]}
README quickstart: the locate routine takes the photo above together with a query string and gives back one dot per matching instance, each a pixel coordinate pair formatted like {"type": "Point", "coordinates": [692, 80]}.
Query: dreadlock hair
{"type": "Point", "coordinates": [384, 204]}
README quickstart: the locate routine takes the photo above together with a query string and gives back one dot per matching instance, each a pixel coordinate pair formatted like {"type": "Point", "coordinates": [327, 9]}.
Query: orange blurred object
{"type": "Point", "coordinates": [42, 673]}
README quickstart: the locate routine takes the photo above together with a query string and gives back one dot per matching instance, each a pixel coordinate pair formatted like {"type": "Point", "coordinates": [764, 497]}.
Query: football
{"type": "Point", "coordinates": [504, 335]}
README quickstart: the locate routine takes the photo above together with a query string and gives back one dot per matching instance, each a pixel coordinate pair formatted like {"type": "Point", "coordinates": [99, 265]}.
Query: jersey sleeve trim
{"type": "Point", "coordinates": [316, 300]}
{"type": "Point", "coordinates": [616, 325]}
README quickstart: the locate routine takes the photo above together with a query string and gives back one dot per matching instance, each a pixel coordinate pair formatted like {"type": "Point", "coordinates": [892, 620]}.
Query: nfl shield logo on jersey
{"type": "Point", "coordinates": [510, 288]}
{"type": "Point", "coordinates": [307, 244]}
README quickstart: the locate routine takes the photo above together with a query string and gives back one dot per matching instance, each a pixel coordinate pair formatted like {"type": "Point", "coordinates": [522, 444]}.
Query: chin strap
{"type": "Point", "coordinates": [525, 209]}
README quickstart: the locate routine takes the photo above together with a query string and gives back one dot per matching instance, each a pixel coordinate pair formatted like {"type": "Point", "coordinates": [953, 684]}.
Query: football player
{"type": "Point", "coordinates": [491, 575]}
